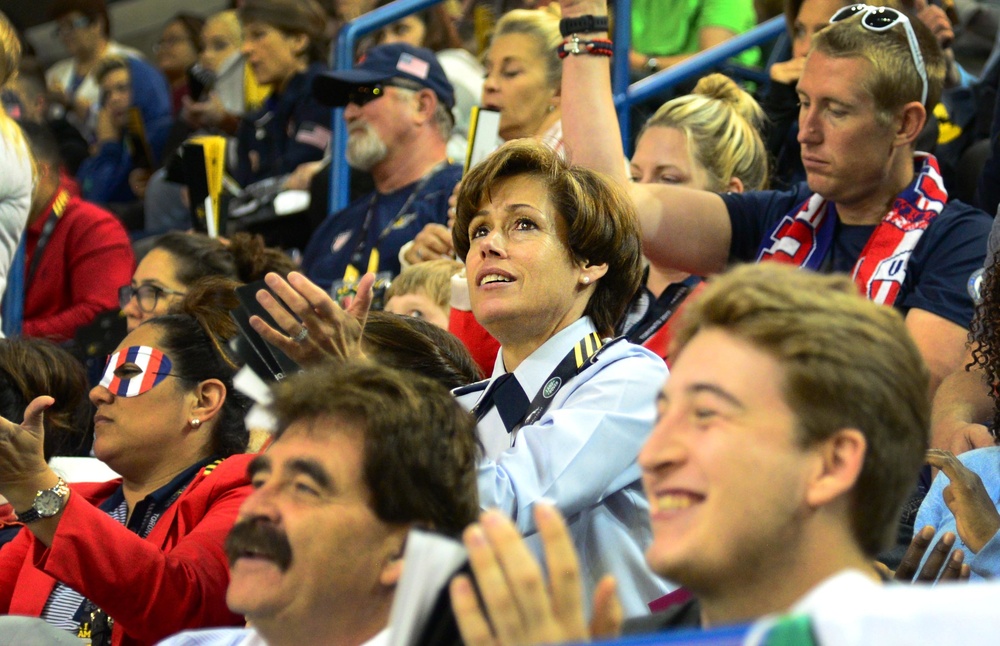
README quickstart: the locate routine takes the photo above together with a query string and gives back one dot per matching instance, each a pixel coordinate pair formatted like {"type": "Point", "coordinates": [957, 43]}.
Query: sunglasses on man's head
{"type": "Point", "coordinates": [879, 19]}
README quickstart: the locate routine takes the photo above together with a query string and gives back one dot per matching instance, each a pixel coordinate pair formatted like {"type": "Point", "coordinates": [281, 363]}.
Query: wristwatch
{"type": "Point", "coordinates": [48, 503]}
{"type": "Point", "coordinates": [583, 25]}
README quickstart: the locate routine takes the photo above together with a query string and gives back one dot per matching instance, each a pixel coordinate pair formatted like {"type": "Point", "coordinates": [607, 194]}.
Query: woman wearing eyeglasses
{"type": "Point", "coordinates": [178, 260]}
{"type": "Point", "coordinates": [84, 28]}
{"type": "Point", "coordinates": [176, 51]}
{"type": "Point", "coordinates": [134, 560]}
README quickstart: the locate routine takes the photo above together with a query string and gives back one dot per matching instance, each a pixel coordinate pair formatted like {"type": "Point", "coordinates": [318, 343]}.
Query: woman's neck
{"type": "Point", "coordinates": [140, 481]}
{"type": "Point", "coordinates": [300, 67]}
{"type": "Point", "coordinates": [87, 60]}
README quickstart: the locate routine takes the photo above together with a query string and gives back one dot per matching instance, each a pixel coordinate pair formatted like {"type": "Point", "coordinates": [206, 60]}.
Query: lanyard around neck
{"type": "Point", "coordinates": [58, 207]}
{"type": "Point", "coordinates": [357, 256]}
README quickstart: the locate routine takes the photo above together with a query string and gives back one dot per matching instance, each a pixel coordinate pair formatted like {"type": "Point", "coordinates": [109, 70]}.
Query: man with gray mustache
{"type": "Point", "coordinates": [363, 454]}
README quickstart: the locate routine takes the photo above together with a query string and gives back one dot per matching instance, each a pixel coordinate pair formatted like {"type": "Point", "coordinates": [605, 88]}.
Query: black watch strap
{"type": "Point", "coordinates": [583, 25]}
{"type": "Point", "coordinates": [29, 516]}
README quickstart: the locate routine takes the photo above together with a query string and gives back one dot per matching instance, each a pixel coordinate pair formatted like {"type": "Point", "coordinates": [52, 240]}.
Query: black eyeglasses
{"type": "Point", "coordinates": [66, 26]}
{"type": "Point", "coordinates": [146, 295]}
{"type": "Point", "coordinates": [879, 19]}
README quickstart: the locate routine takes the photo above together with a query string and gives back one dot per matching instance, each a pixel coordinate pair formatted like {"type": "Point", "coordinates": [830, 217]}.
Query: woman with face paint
{"type": "Point", "coordinates": [134, 560]}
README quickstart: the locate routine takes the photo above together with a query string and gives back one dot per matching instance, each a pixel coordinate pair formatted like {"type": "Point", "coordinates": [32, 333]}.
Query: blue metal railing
{"type": "Point", "coordinates": [625, 95]}
{"type": "Point", "coordinates": [346, 42]}
{"type": "Point", "coordinates": [628, 95]}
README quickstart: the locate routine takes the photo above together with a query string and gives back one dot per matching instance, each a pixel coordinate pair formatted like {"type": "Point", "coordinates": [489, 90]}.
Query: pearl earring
{"type": "Point", "coordinates": [586, 280]}
{"type": "Point", "coordinates": [195, 423]}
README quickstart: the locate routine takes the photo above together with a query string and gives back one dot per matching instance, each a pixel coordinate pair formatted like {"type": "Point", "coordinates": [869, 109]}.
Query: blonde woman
{"type": "Point", "coordinates": [16, 178]}
{"type": "Point", "coordinates": [709, 140]}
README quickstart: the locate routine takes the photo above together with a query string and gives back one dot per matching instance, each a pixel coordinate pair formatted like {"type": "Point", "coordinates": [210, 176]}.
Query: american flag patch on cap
{"type": "Point", "coordinates": [410, 64]}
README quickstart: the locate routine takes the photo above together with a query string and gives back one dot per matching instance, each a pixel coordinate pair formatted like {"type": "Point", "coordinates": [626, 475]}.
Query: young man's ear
{"type": "Point", "coordinates": [910, 123]}
{"type": "Point", "coordinates": [841, 457]}
{"type": "Point", "coordinates": [391, 572]}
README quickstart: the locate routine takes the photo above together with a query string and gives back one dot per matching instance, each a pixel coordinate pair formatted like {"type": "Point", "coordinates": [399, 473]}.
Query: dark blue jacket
{"type": "Point", "coordinates": [103, 176]}
{"type": "Point", "coordinates": [290, 129]}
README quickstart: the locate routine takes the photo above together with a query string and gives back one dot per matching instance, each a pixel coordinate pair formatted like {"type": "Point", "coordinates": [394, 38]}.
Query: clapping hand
{"type": "Point", "coordinates": [317, 328]}
{"type": "Point", "coordinates": [950, 567]}
{"type": "Point", "coordinates": [22, 459]}
{"type": "Point", "coordinates": [976, 516]}
{"type": "Point", "coordinates": [520, 606]}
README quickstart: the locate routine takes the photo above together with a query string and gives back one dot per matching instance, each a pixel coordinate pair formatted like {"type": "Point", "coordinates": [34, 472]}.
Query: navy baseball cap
{"type": "Point", "coordinates": [381, 64]}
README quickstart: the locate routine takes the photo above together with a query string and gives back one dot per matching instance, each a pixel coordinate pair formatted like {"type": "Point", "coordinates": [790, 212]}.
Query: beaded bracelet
{"type": "Point", "coordinates": [575, 46]}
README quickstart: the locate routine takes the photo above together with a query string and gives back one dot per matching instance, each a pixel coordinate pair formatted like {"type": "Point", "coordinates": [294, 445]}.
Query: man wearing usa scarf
{"type": "Point", "coordinates": [872, 207]}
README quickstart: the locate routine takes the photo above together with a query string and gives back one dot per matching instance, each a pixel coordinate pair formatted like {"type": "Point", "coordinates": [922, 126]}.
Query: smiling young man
{"type": "Point", "coordinates": [364, 454]}
{"type": "Point", "coordinates": [872, 206]}
{"type": "Point", "coordinates": [788, 435]}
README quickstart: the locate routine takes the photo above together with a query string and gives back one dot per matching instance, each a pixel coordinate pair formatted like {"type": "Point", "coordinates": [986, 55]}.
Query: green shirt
{"type": "Point", "coordinates": [669, 27]}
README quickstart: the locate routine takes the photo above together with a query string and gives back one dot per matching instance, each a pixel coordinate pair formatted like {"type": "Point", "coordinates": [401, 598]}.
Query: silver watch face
{"type": "Point", "coordinates": [48, 503]}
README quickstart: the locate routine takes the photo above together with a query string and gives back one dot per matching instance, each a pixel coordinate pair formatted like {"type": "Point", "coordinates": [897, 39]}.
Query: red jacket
{"type": "Point", "coordinates": [88, 257]}
{"type": "Point", "coordinates": [174, 579]}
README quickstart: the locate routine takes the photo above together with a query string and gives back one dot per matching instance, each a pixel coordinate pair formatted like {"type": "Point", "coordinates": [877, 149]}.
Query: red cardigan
{"type": "Point", "coordinates": [174, 579]}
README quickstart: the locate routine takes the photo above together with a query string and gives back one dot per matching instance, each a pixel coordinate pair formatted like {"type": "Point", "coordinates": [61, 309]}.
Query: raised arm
{"type": "Point", "coordinates": [681, 228]}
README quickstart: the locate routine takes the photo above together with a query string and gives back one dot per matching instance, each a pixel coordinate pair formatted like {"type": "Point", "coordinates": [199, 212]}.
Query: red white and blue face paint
{"type": "Point", "coordinates": [153, 365]}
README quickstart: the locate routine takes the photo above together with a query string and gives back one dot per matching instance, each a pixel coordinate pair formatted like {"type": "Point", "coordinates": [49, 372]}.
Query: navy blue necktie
{"type": "Point", "coordinates": [509, 398]}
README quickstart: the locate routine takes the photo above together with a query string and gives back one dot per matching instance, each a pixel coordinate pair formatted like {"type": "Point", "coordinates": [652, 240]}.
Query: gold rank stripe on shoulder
{"type": "Point", "coordinates": [587, 348]}
{"type": "Point", "coordinates": [211, 467]}
{"type": "Point", "coordinates": [60, 203]}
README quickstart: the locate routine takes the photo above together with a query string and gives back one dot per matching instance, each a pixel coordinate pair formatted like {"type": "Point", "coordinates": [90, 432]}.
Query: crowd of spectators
{"type": "Point", "coordinates": [743, 366]}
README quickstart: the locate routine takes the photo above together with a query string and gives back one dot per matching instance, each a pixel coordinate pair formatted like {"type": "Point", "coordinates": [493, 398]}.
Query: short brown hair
{"type": "Point", "coordinates": [292, 17]}
{"type": "Point", "coordinates": [601, 218]}
{"type": "Point", "coordinates": [411, 344]}
{"type": "Point", "coordinates": [893, 81]}
{"type": "Point", "coordinates": [848, 363]}
{"type": "Point", "coordinates": [91, 9]}
{"type": "Point", "coordinates": [33, 367]}
{"type": "Point", "coordinates": [421, 447]}
{"type": "Point", "coordinates": [110, 64]}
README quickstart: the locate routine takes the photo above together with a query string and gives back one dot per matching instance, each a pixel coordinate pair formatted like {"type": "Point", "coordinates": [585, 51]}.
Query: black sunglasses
{"type": "Point", "coordinates": [365, 94]}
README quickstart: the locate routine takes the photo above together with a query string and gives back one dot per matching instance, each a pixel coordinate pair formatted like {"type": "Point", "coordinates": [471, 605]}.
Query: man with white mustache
{"type": "Point", "coordinates": [397, 105]}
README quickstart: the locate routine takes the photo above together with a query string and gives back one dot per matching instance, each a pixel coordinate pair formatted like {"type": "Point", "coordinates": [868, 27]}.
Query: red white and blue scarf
{"type": "Point", "coordinates": [805, 235]}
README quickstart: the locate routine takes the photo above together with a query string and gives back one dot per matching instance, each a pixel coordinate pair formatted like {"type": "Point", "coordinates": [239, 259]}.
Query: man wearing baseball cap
{"type": "Point", "coordinates": [397, 105]}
